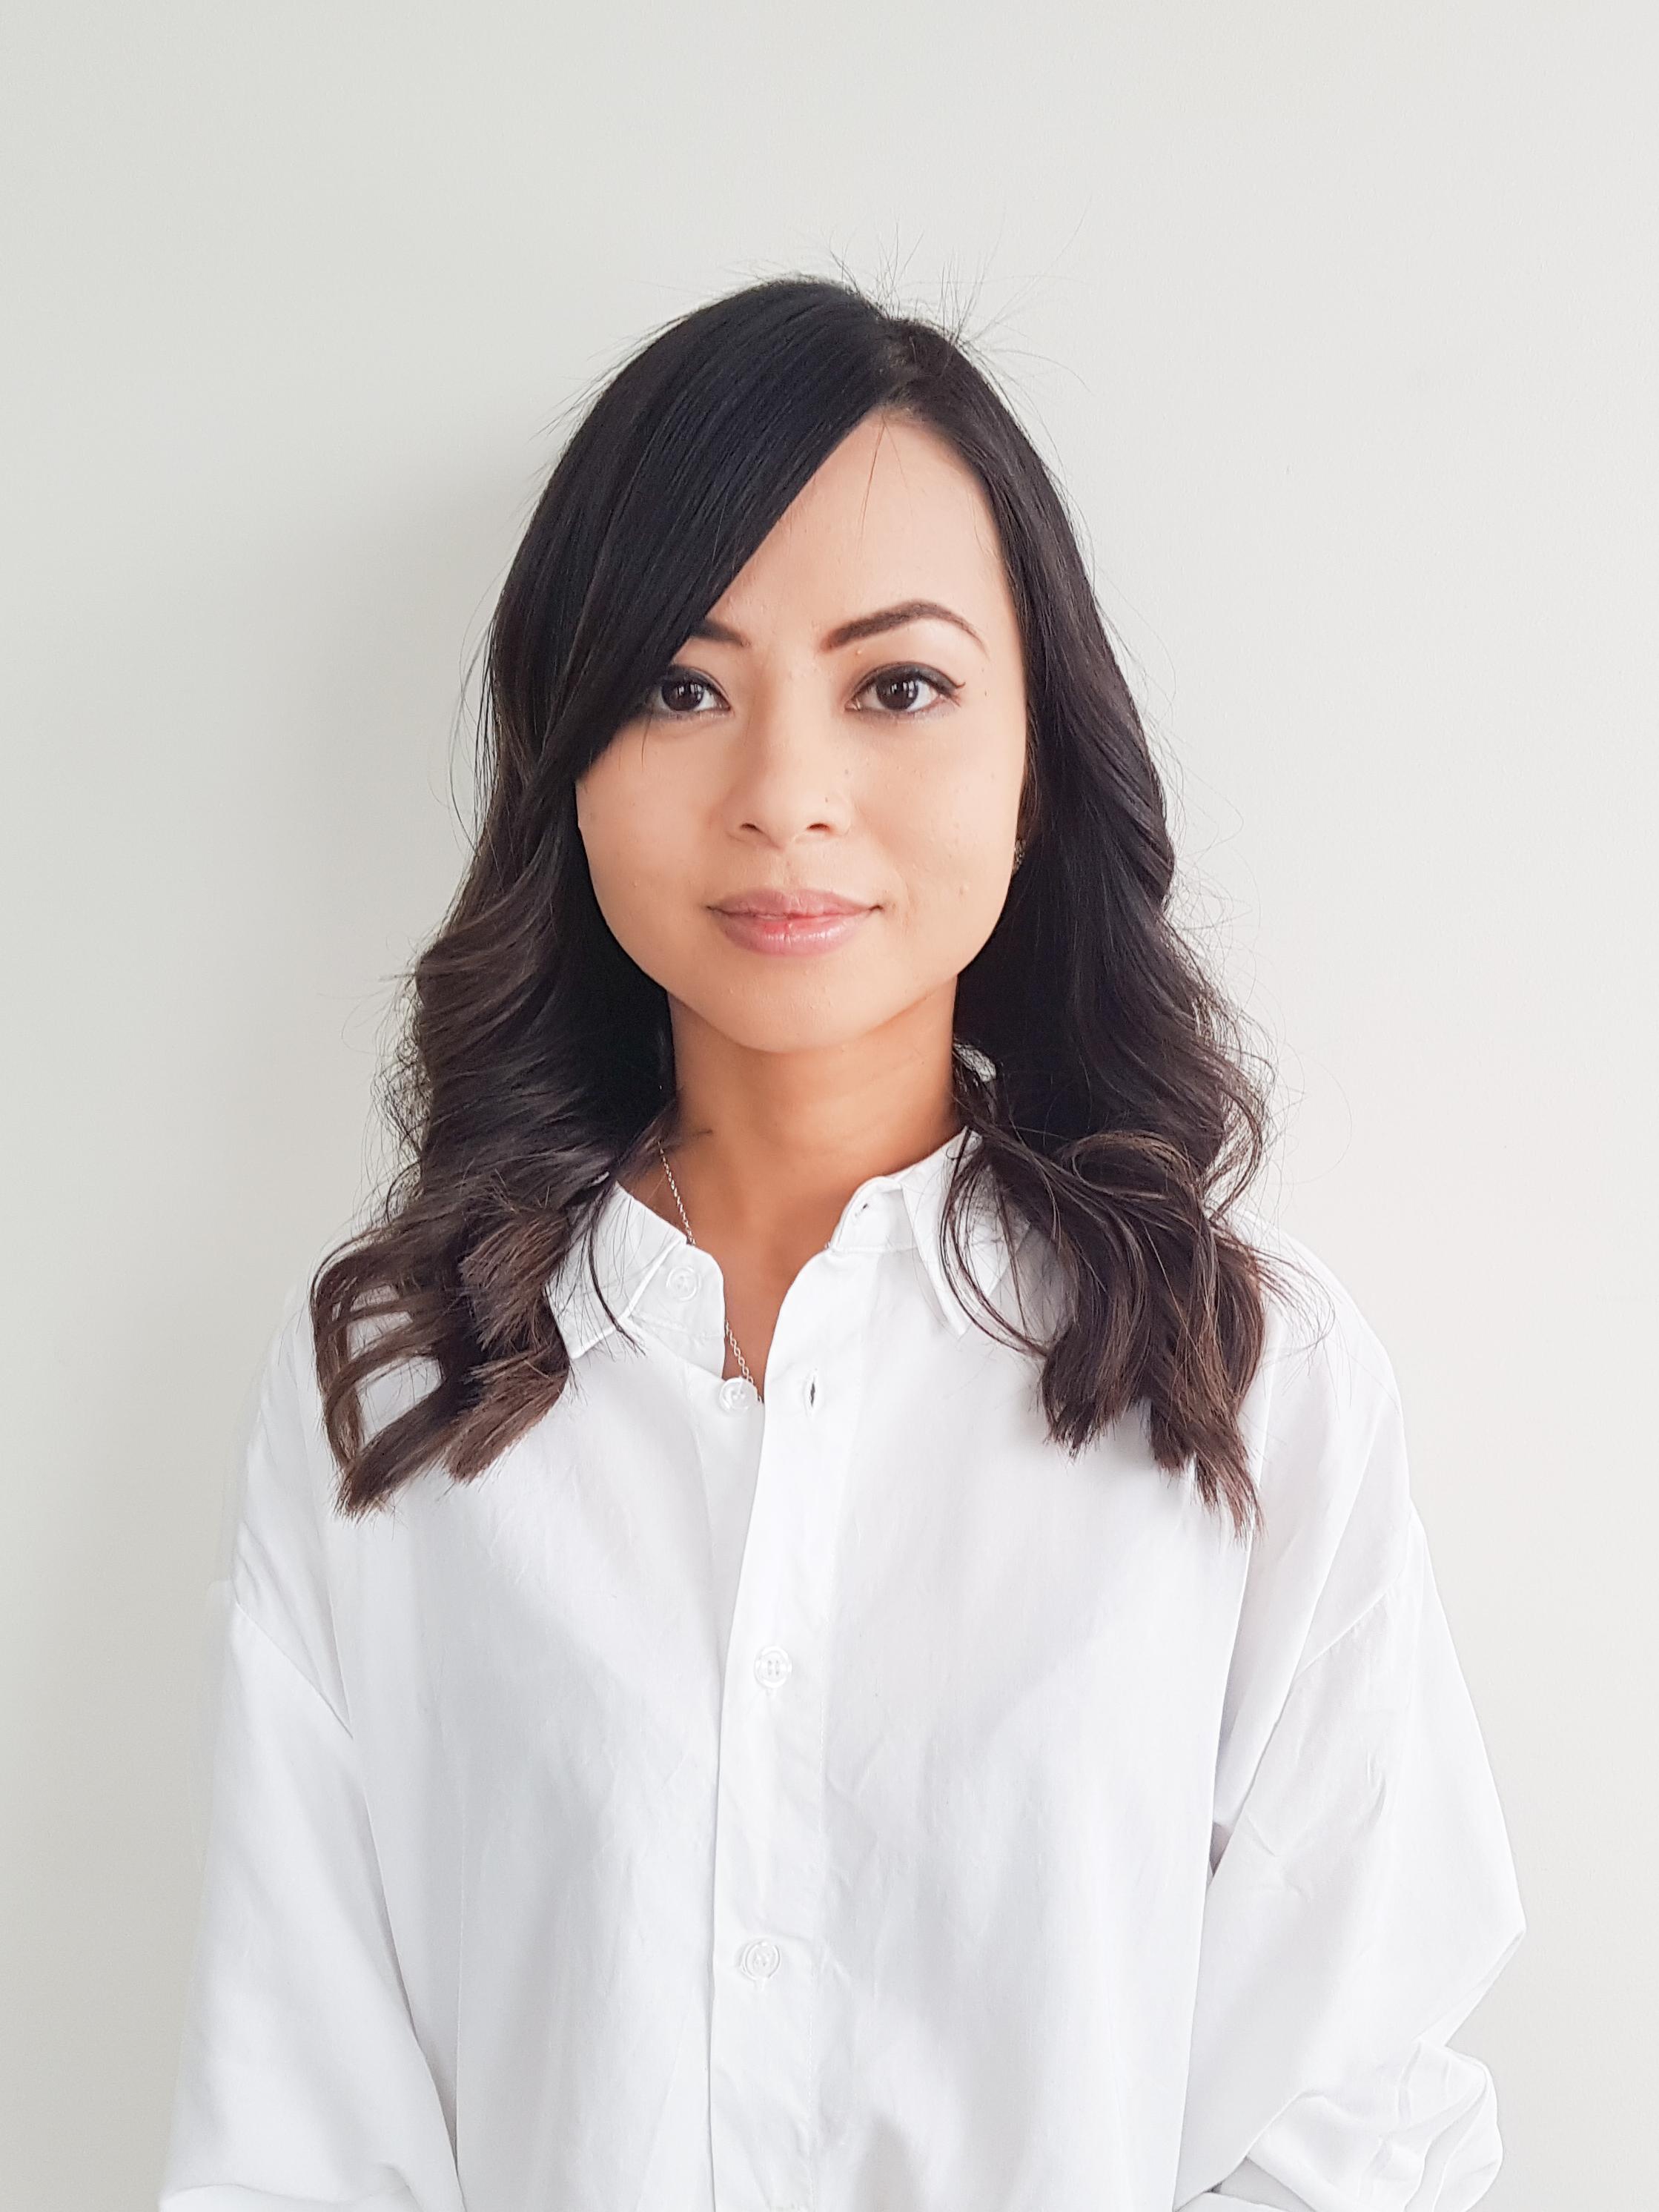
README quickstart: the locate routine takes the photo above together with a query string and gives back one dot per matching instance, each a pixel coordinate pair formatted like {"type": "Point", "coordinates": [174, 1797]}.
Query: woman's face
{"type": "Point", "coordinates": [824, 734]}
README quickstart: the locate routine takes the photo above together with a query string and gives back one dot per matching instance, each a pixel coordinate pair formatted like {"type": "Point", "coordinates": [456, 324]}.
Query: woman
{"type": "Point", "coordinates": [821, 1615]}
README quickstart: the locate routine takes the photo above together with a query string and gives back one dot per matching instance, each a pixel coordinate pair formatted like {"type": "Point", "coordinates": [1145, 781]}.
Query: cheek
{"type": "Point", "coordinates": [952, 840]}
{"type": "Point", "coordinates": [629, 832]}
{"type": "Point", "coordinates": [952, 871]}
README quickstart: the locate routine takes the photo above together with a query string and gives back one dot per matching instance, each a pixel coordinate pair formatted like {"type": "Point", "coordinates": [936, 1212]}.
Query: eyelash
{"type": "Point", "coordinates": [900, 672]}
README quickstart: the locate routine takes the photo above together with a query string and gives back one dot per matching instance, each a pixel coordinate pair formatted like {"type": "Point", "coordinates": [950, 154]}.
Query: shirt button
{"type": "Point", "coordinates": [759, 1959]}
{"type": "Point", "coordinates": [773, 1666]}
{"type": "Point", "coordinates": [733, 1391]}
{"type": "Point", "coordinates": [811, 1393]}
{"type": "Point", "coordinates": [683, 1281]}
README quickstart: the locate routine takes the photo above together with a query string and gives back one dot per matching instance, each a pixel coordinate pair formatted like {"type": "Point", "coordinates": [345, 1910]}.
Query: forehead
{"type": "Point", "coordinates": [892, 513]}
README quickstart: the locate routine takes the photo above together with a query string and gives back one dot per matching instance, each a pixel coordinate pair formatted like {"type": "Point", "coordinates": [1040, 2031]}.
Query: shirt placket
{"type": "Point", "coordinates": [769, 1840]}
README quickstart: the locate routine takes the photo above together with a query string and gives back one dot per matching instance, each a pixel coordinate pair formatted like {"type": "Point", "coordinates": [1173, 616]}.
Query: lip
{"type": "Point", "coordinates": [784, 904]}
{"type": "Point", "coordinates": [790, 921]}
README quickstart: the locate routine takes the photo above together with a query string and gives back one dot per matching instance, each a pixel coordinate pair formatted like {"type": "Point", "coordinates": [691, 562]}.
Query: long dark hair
{"type": "Point", "coordinates": [1101, 1066]}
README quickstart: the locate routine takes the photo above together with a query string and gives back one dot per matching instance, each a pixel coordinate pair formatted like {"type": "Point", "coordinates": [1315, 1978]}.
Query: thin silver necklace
{"type": "Point", "coordinates": [742, 1364]}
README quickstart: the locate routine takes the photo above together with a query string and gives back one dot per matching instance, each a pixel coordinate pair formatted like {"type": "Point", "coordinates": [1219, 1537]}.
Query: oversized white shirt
{"type": "Point", "coordinates": [847, 1801]}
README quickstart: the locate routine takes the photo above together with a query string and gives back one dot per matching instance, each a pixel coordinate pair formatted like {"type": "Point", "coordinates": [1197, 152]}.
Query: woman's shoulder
{"type": "Point", "coordinates": [284, 1528]}
{"type": "Point", "coordinates": [293, 1364]}
{"type": "Point", "coordinates": [1317, 1335]}
{"type": "Point", "coordinates": [272, 1564]}
{"type": "Point", "coordinates": [1325, 1428]}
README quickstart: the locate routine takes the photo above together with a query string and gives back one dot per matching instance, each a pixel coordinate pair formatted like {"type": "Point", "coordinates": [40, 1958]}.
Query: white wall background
{"type": "Point", "coordinates": [1341, 323]}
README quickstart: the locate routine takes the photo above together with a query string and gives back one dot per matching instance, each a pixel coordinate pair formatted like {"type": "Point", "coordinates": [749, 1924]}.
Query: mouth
{"type": "Point", "coordinates": [791, 921]}
{"type": "Point", "coordinates": [782, 905]}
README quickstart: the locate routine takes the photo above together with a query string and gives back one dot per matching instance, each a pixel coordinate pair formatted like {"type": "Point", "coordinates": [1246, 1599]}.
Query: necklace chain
{"type": "Point", "coordinates": [742, 1364]}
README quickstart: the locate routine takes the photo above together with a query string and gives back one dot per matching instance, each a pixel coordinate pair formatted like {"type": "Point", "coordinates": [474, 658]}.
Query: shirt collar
{"type": "Point", "coordinates": [902, 1210]}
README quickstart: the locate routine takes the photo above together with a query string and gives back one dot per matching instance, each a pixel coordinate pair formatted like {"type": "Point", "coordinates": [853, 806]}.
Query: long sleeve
{"type": "Point", "coordinates": [301, 2083]}
{"type": "Point", "coordinates": [1364, 1899]}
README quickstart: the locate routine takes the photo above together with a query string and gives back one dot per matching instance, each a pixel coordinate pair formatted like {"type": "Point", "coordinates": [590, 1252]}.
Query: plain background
{"type": "Point", "coordinates": [1339, 325]}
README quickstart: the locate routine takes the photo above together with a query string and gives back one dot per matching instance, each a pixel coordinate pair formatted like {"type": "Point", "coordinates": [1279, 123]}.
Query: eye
{"type": "Point", "coordinates": [899, 690]}
{"type": "Point", "coordinates": [678, 695]}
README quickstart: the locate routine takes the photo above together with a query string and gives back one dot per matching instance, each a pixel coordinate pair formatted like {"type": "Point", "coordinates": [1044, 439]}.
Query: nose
{"type": "Point", "coordinates": [791, 769]}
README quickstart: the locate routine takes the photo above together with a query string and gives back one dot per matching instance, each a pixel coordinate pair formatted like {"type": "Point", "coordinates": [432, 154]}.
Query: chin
{"type": "Point", "coordinates": [769, 1023]}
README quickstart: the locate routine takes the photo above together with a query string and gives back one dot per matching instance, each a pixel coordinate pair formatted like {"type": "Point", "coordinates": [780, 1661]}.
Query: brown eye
{"type": "Point", "coordinates": [905, 692]}
{"type": "Point", "coordinates": [678, 695]}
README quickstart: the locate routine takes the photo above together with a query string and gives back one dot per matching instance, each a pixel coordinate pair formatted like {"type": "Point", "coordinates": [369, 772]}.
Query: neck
{"type": "Point", "coordinates": [768, 1147]}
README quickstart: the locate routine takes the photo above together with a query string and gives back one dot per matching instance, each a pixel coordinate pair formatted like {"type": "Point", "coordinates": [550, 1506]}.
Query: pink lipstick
{"type": "Point", "coordinates": [808, 920]}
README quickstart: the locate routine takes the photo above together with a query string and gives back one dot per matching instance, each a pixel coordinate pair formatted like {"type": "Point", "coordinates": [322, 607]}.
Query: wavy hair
{"type": "Point", "coordinates": [1101, 1066]}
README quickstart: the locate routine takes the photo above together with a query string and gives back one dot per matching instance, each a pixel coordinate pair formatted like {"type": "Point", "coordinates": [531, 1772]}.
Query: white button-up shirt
{"type": "Point", "coordinates": [850, 1803]}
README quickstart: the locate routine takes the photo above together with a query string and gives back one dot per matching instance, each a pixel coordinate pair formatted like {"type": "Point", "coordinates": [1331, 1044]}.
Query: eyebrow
{"type": "Point", "coordinates": [861, 626]}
